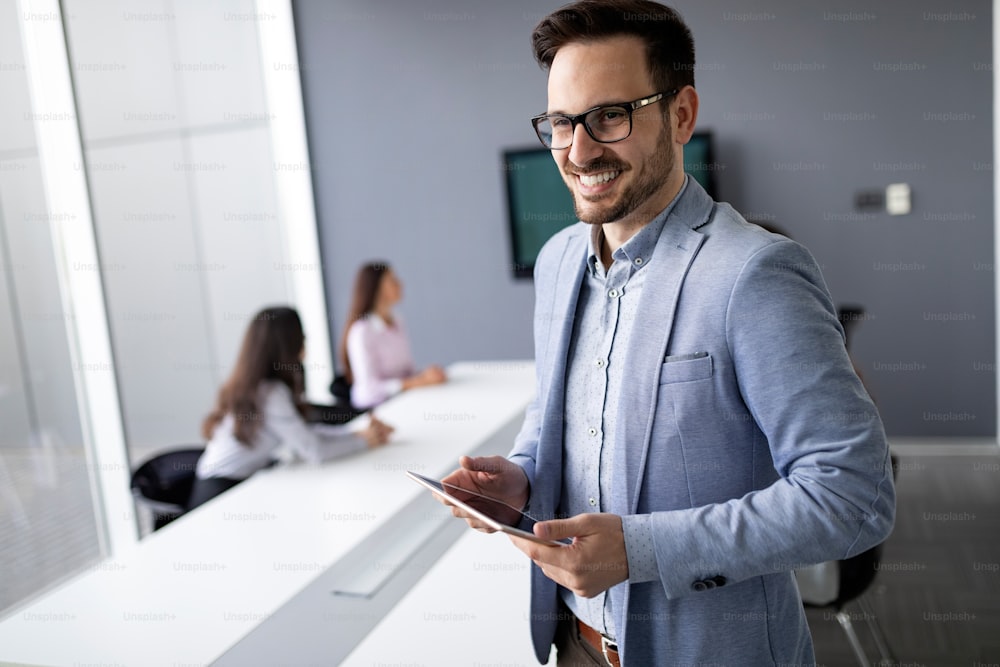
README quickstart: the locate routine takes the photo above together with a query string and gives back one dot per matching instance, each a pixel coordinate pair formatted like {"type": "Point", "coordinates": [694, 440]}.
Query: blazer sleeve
{"type": "Point", "coordinates": [834, 497]}
{"type": "Point", "coordinates": [313, 443]}
{"type": "Point", "coordinates": [525, 449]}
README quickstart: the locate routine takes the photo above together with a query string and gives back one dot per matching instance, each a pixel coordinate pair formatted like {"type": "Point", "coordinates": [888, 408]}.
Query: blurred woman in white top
{"type": "Point", "coordinates": [259, 413]}
{"type": "Point", "coordinates": [374, 349]}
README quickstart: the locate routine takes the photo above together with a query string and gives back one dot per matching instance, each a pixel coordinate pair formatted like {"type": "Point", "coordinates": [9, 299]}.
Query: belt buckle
{"type": "Point", "coordinates": [606, 645]}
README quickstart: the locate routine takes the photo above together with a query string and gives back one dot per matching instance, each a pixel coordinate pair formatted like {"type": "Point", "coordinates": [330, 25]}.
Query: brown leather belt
{"type": "Point", "coordinates": [601, 644]}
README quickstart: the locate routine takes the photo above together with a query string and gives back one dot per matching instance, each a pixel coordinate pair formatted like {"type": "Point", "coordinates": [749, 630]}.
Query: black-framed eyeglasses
{"type": "Point", "coordinates": [605, 124]}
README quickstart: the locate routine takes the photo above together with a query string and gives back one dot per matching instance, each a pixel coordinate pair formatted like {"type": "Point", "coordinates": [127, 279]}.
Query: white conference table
{"type": "Point", "coordinates": [471, 608]}
{"type": "Point", "coordinates": [295, 565]}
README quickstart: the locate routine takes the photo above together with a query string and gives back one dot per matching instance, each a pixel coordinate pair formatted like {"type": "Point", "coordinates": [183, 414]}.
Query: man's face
{"type": "Point", "coordinates": [626, 178]}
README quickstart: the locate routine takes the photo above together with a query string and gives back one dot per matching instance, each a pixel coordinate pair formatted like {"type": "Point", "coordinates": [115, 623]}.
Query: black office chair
{"type": "Point", "coordinates": [849, 316]}
{"type": "Point", "coordinates": [340, 388]}
{"type": "Point", "coordinates": [341, 411]}
{"type": "Point", "coordinates": [855, 575]}
{"type": "Point", "coordinates": [851, 579]}
{"type": "Point", "coordinates": [163, 483]}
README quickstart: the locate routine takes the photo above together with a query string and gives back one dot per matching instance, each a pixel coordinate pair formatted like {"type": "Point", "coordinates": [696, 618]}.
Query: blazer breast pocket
{"type": "Point", "coordinates": [686, 367]}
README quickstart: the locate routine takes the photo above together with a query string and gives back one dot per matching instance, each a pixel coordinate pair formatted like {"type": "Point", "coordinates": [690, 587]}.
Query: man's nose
{"type": "Point", "coordinates": [584, 149]}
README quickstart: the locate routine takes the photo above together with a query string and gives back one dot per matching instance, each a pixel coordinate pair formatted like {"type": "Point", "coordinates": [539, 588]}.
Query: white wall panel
{"type": "Point", "coordinates": [123, 64]}
{"type": "Point", "coordinates": [218, 63]}
{"type": "Point", "coordinates": [16, 131]}
{"type": "Point", "coordinates": [153, 280]}
{"type": "Point", "coordinates": [239, 232]}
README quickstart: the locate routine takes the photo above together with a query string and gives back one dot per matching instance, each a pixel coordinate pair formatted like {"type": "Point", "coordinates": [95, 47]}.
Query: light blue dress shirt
{"type": "Point", "coordinates": [605, 312]}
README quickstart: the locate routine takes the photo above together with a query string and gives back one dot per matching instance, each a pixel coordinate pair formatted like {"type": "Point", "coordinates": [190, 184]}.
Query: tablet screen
{"type": "Point", "coordinates": [490, 509]}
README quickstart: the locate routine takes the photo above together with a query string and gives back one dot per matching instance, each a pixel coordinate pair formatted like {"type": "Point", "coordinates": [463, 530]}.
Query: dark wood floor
{"type": "Point", "coordinates": [937, 593]}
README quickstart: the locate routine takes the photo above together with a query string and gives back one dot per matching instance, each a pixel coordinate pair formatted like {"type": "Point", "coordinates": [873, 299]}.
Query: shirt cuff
{"type": "Point", "coordinates": [639, 549]}
{"type": "Point", "coordinates": [393, 387]}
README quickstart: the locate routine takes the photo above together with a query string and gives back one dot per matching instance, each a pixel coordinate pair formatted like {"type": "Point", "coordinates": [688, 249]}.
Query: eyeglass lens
{"type": "Point", "coordinates": [605, 124]}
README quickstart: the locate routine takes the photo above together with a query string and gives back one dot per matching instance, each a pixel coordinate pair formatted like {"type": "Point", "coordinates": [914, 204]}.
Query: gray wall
{"type": "Point", "coordinates": [809, 106]}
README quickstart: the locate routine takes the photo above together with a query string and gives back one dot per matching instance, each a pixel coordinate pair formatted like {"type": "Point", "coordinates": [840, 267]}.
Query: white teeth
{"type": "Point", "coordinates": [595, 179]}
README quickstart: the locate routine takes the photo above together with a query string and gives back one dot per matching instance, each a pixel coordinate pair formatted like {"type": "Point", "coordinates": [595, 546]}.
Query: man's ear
{"type": "Point", "coordinates": [685, 114]}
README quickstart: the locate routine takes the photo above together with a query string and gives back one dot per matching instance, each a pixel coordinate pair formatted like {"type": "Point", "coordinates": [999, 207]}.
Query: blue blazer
{"type": "Point", "coordinates": [744, 431]}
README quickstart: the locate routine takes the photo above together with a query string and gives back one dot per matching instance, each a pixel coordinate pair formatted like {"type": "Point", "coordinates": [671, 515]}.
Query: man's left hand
{"type": "Point", "coordinates": [593, 563]}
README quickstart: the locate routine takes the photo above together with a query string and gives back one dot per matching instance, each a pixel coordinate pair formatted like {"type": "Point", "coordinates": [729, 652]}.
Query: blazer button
{"type": "Point", "coordinates": [709, 584]}
{"type": "Point", "coordinates": [719, 580]}
{"type": "Point", "coordinates": [699, 585]}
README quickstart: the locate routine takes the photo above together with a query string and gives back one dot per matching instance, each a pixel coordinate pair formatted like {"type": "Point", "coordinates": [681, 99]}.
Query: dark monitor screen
{"type": "Point", "coordinates": [699, 161]}
{"type": "Point", "coordinates": [539, 204]}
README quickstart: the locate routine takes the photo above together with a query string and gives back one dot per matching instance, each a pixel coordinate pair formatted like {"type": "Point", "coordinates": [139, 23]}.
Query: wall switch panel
{"type": "Point", "coordinates": [897, 199]}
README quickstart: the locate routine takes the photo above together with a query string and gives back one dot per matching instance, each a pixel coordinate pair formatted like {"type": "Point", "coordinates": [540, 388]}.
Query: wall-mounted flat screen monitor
{"type": "Point", "coordinates": [539, 205]}
{"type": "Point", "coordinates": [699, 161]}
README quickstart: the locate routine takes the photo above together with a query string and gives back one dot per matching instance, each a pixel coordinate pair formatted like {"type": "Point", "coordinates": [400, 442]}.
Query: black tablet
{"type": "Point", "coordinates": [483, 508]}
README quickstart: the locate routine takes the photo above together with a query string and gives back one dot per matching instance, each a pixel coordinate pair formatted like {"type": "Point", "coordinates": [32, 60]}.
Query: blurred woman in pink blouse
{"type": "Point", "coordinates": [374, 349]}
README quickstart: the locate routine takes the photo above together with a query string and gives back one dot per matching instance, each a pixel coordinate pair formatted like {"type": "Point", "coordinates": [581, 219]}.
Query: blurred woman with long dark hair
{"type": "Point", "coordinates": [374, 349]}
{"type": "Point", "coordinates": [259, 415]}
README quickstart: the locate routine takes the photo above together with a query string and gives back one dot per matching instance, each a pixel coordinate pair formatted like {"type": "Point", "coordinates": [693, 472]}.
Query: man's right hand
{"type": "Point", "coordinates": [492, 476]}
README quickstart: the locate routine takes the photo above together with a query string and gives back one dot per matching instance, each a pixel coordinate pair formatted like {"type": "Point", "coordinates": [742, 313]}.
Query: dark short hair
{"type": "Point", "coordinates": [669, 44]}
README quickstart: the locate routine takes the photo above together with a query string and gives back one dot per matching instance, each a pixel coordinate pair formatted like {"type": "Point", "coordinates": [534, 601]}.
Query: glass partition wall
{"type": "Point", "coordinates": [121, 311]}
{"type": "Point", "coordinates": [50, 514]}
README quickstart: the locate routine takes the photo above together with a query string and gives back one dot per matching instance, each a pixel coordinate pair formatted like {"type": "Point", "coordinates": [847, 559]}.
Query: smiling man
{"type": "Point", "coordinates": [698, 429]}
{"type": "Point", "coordinates": [612, 180]}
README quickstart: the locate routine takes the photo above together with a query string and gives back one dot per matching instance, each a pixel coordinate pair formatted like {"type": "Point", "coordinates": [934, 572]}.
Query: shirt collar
{"type": "Point", "coordinates": [638, 250]}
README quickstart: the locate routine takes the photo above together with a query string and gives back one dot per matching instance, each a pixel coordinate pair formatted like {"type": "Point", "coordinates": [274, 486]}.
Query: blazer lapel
{"type": "Point", "coordinates": [676, 249]}
{"type": "Point", "coordinates": [567, 282]}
